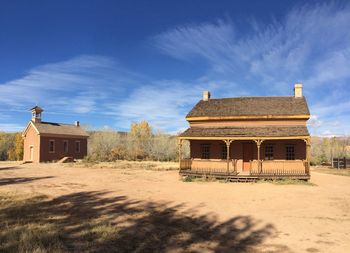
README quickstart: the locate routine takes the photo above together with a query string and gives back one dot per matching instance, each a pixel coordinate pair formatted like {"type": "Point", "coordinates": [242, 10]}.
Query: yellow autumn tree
{"type": "Point", "coordinates": [15, 153]}
{"type": "Point", "coordinates": [140, 140]}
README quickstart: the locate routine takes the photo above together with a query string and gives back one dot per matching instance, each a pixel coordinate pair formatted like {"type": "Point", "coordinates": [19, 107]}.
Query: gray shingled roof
{"type": "Point", "coordinates": [50, 128]}
{"type": "Point", "coordinates": [250, 106]}
{"type": "Point", "coordinates": [268, 131]}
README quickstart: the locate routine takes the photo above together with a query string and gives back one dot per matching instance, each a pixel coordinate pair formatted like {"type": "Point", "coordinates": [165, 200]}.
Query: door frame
{"type": "Point", "coordinates": [31, 153]}
{"type": "Point", "coordinates": [244, 152]}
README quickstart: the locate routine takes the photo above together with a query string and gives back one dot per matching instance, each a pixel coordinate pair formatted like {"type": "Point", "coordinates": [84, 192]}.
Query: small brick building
{"type": "Point", "coordinates": [48, 141]}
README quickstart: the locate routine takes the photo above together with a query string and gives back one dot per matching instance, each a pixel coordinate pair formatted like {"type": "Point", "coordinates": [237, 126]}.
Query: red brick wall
{"type": "Point", "coordinates": [31, 139]}
{"type": "Point", "coordinates": [59, 153]}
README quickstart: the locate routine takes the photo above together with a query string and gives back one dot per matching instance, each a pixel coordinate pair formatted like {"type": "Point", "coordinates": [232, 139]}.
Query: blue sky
{"type": "Point", "coordinates": [111, 63]}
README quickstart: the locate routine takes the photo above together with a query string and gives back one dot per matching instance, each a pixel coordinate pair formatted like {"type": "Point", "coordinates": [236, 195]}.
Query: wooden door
{"type": "Point", "coordinates": [31, 153]}
{"type": "Point", "coordinates": [247, 155]}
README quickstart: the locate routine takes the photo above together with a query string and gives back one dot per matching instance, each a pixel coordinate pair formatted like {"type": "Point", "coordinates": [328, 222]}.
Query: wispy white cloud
{"type": "Point", "coordinates": [162, 103]}
{"type": "Point", "coordinates": [75, 85]}
{"type": "Point", "coordinates": [310, 44]}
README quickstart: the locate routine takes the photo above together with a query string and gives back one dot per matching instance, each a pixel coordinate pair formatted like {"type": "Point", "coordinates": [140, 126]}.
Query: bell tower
{"type": "Point", "coordinates": [36, 114]}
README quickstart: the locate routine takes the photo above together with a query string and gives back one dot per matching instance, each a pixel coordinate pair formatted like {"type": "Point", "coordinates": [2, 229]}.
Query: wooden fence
{"type": "Point", "coordinates": [279, 167]}
{"type": "Point", "coordinates": [273, 167]}
{"type": "Point", "coordinates": [341, 163]}
{"type": "Point", "coordinates": [208, 166]}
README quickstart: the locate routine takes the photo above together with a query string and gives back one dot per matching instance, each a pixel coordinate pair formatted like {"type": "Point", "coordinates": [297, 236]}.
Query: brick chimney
{"type": "Point", "coordinates": [77, 123]}
{"type": "Point", "coordinates": [206, 95]}
{"type": "Point", "coordinates": [298, 90]}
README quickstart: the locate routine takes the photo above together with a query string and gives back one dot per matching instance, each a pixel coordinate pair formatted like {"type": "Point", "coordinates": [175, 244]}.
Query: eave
{"type": "Point", "coordinates": [280, 117]}
{"type": "Point", "coordinates": [304, 137]}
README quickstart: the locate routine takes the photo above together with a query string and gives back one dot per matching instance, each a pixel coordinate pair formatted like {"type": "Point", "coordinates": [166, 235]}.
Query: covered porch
{"type": "Point", "coordinates": [246, 157]}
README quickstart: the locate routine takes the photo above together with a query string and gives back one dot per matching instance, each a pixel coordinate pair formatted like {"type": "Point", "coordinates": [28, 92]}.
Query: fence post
{"type": "Point", "coordinates": [338, 164]}
{"type": "Point", "coordinates": [344, 162]}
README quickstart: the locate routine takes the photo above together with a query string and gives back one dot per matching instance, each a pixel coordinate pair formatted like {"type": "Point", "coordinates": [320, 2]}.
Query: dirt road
{"type": "Point", "coordinates": [272, 218]}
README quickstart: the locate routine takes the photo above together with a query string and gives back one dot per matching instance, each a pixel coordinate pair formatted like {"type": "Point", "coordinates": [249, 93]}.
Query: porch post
{"type": "Point", "coordinates": [228, 143]}
{"type": "Point", "coordinates": [258, 143]}
{"type": "Point", "coordinates": [179, 146]}
{"type": "Point", "coordinates": [308, 149]}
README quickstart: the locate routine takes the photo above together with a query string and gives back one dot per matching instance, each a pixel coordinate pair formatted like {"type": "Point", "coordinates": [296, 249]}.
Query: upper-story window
{"type": "Point", "coordinates": [268, 152]}
{"type": "Point", "coordinates": [52, 146]}
{"type": "Point", "coordinates": [205, 151]}
{"type": "Point", "coordinates": [77, 147]}
{"type": "Point", "coordinates": [290, 152]}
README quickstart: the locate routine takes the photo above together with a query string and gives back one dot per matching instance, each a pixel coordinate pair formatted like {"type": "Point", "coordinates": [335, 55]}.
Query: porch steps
{"type": "Point", "coordinates": [66, 159]}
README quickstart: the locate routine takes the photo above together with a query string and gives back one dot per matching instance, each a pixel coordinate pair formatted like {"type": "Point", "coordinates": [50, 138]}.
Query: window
{"type": "Point", "coordinates": [52, 146]}
{"type": "Point", "coordinates": [77, 147]}
{"type": "Point", "coordinates": [224, 151]}
{"type": "Point", "coordinates": [205, 151]}
{"type": "Point", "coordinates": [65, 146]}
{"type": "Point", "coordinates": [290, 152]}
{"type": "Point", "coordinates": [268, 152]}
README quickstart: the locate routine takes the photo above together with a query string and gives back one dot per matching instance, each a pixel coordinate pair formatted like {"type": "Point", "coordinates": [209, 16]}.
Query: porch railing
{"type": "Point", "coordinates": [208, 166]}
{"type": "Point", "coordinates": [279, 167]}
{"type": "Point", "coordinates": [265, 167]}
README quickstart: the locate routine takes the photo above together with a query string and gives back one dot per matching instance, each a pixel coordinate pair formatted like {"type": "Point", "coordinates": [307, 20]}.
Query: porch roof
{"type": "Point", "coordinates": [268, 131]}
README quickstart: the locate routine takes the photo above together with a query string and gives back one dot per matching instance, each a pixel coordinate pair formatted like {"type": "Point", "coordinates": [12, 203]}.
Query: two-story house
{"type": "Point", "coordinates": [248, 137]}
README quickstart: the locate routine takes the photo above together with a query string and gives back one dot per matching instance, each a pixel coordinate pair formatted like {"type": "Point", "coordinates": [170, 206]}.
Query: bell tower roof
{"type": "Point", "coordinates": [36, 109]}
{"type": "Point", "coordinates": [36, 114]}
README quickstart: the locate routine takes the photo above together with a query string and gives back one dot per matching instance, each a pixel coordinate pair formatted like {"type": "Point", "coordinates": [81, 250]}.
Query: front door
{"type": "Point", "coordinates": [31, 153]}
{"type": "Point", "coordinates": [247, 155]}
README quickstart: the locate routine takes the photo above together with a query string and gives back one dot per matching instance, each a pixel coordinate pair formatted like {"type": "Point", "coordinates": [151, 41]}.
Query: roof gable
{"type": "Point", "coordinates": [29, 125]}
{"type": "Point", "coordinates": [250, 106]}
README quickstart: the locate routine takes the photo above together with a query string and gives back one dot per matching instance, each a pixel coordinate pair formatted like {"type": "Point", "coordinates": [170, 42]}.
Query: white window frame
{"type": "Point", "coordinates": [64, 151]}
{"type": "Point", "coordinates": [54, 146]}
{"type": "Point", "coordinates": [77, 146]}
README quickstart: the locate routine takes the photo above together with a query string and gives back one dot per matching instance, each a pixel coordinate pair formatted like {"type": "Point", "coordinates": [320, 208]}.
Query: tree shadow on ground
{"type": "Point", "coordinates": [97, 222]}
{"type": "Point", "coordinates": [20, 180]}
{"type": "Point", "coordinates": [10, 168]}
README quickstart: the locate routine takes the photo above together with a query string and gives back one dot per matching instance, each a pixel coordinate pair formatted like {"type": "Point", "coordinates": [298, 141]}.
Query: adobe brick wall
{"type": "Point", "coordinates": [59, 153]}
{"type": "Point", "coordinates": [32, 139]}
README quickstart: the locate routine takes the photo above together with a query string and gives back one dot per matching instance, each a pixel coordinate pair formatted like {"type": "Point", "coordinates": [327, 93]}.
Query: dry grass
{"type": "Point", "coordinates": [123, 164]}
{"type": "Point", "coordinates": [93, 222]}
{"type": "Point", "coordinates": [328, 170]}
{"type": "Point", "coordinates": [287, 181]}
{"type": "Point", "coordinates": [73, 208]}
{"type": "Point", "coordinates": [21, 231]}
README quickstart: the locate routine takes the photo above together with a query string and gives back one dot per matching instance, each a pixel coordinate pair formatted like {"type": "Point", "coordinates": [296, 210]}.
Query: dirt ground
{"type": "Point", "coordinates": [265, 216]}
